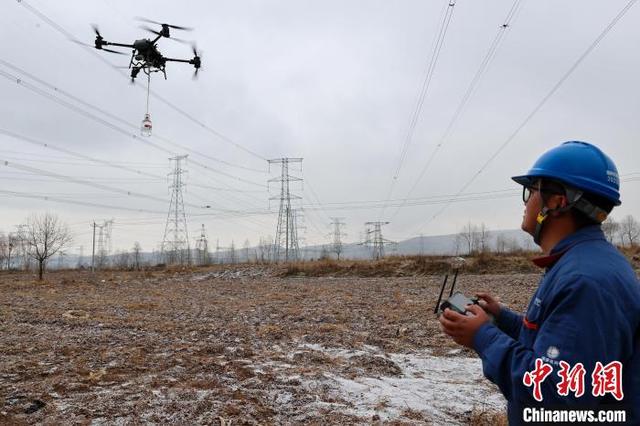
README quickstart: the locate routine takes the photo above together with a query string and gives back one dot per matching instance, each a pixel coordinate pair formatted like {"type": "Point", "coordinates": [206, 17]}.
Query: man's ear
{"type": "Point", "coordinates": [557, 202]}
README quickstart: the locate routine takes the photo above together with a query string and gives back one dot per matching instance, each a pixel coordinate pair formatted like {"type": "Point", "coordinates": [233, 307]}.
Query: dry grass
{"type": "Point", "coordinates": [400, 266]}
{"type": "Point", "coordinates": [482, 417]}
{"type": "Point", "coordinates": [171, 347]}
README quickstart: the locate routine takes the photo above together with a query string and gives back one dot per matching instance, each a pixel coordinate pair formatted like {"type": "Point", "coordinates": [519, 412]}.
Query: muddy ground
{"type": "Point", "coordinates": [212, 347]}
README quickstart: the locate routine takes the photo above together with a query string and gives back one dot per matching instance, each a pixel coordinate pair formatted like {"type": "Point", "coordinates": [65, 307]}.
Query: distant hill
{"type": "Point", "coordinates": [446, 245]}
{"type": "Point", "coordinates": [429, 245]}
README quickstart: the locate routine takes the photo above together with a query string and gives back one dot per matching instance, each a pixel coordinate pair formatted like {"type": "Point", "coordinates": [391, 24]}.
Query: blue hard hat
{"type": "Point", "coordinates": [579, 165]}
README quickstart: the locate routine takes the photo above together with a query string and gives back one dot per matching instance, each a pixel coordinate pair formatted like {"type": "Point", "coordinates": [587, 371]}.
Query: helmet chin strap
{"type": "Point", "coordinates": [542, 216]}
{"type": "Point", "coordinates": [576, 201]}
{"type": "Point", "coordinates": [544, 213]}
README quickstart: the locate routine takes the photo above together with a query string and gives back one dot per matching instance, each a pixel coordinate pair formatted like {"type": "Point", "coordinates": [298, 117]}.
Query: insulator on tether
{"type": "Point", "coordinates": [146, 127]}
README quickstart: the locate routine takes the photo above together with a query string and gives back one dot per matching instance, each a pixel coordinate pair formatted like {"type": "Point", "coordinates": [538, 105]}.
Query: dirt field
{"type": "Point", "coordinates": [238, 347]}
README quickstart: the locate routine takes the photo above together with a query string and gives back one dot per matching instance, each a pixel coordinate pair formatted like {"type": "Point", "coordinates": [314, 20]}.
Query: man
{"type": "Point", "coordinates": [582, 326]}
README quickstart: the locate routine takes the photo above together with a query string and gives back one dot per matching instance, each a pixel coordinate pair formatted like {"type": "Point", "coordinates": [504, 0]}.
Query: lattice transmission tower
{"type": "Point", "coordinates": [286, 246]}
{"type": "Point", "coordinates": [175, 244]}
{"type": "Point", "coordinates": [104, 242]}
{"type": "Point", "coordinates": [337, 235]}
{"type": "Point", "coordinates": [202, 247]}
{"type": "Point", "coordinates": [375, 240]}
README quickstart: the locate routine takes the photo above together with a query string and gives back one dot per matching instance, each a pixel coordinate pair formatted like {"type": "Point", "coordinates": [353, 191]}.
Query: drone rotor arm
{"type": "Point", "coordinates": [186, 61]}
{"type": "Point", "coordinates": [108, 43]}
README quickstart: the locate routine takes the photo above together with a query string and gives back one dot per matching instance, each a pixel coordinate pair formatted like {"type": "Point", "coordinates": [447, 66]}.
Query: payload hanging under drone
{"type": "Point", "coordinates": [147, 58]}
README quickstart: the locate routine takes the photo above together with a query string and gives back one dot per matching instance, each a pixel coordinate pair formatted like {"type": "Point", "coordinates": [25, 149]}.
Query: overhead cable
{"type": "Point", "coordinates": [70, 36]}
{"type": "Point", "coordinates": [444, 26]}
{"type": "Point", "coordinates": [484, 65]}
{"type": "Point", "coordinates": [540, 104]}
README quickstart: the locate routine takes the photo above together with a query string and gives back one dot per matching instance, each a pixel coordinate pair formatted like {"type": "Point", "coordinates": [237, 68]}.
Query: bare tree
{"type": "Point", "coordinates": [501, 243]}
{"type": "Point", "coordinates": [611, 228]}
{"type": "Point", "coordinates": [629, 230]}
{"type": "Point", "coordinates": [469, 235]}
{"type": "Point", "coordinates": [44, 236]}
{"type": "Point", "coordinates": [4, 248]}
{"type": "Point", "coordinates": [482, 237]}
{"type": "Point", "coordinates": [263, 249]}
{"type": "Point", "coordinates": [457, 243]}
{"type": "Point", "coordinates": [513, 245]}
{"type": "Point", "coordinates": [123, 260]}
{"type": "Point", "coordinates": [245, 250]}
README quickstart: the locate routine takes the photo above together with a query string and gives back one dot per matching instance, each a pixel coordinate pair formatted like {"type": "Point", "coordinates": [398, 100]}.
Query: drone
{"type": "Point", "coordinates": [145, 55]}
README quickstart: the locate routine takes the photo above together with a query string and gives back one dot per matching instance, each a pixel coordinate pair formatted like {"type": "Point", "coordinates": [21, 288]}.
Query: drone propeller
{"type": "Point", "coordinates": [151, 30]}
{"type": "Point", "coordinates": [114, 51]}
{"type": "Point", "coordinates": [177, 27]}
{"type": "Point", "coordinates": [106, 50]}
{"type": "Point", "coordinates": [181, 40]}
{"type": "Point", "coordinates": [96, 30]}
{"type": "Point", "coordinates": [196, 61]}
{"type": "Point", "coordinates": [144, 27]}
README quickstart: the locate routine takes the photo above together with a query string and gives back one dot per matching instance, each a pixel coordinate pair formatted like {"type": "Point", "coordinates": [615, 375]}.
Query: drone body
{"type": "Point", "coordinates": [145, 55]}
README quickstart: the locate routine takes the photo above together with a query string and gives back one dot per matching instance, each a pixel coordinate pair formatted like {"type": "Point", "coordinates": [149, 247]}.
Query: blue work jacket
{"type": "Point", "coordinates": [586, 309]}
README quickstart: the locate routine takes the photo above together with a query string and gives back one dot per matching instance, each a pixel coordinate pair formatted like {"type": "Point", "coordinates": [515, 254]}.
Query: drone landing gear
{"type": "Point", "coordinates": [134, 73]}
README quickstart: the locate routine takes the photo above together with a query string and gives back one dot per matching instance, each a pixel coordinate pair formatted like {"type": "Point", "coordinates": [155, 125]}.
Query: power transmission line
{"type": "Point", "coordinates": [70, 36]}
{"type": "Point", "coordinates": [119, 119]}
{"type": "Point", "coordinates": [540, 104]}
{"type": "Point", "coordinates": [75, 202]}
{"type": "Point", "coordinates": [21, 83]}
{"type": "Point", "coordinates": [484, 65]}
{"type": "Point", "coordinates": [7, 163]}
{"type": "Point", "coordinates": [50, 146]}
{"type": "Point", "coordinates": [444, 26]}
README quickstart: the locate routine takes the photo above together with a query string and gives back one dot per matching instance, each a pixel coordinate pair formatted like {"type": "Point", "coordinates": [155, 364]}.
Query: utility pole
{"type": "Point", "coordinates": [93, 249]}
{"type": "Point", "coordinates": [175, 243]}
{"type": "Point", "coordinates": [375, 239]}
{"type": "Point", "coordinates": [337, 235]}
{"type": "Point", "coordinates": [286, 242]}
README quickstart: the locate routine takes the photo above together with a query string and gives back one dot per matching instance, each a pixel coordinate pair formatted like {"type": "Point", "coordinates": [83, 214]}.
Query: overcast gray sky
{"type": "Point", "coordinates": [334, 82]}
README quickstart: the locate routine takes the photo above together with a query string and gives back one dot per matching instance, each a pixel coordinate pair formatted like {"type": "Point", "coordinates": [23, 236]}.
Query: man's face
{"type": "Point", "coordinates": [532, 207]}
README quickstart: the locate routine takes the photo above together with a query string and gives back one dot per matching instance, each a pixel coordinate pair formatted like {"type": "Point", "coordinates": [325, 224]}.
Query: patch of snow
{"type": "Point", "coordinates": [435, 386]}
{"type": "Point", "coordinates": [283, 398]}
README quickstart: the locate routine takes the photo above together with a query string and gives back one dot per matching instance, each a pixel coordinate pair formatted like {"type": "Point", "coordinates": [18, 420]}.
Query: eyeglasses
{"type": "Point", "coordinates": [527, 192]}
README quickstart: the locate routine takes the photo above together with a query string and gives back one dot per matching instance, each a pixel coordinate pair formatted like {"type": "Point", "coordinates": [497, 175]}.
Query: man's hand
{"type": "Point", "coordinates": [462, 328]}
{"type": "Point", "coordinates": [489, 303]}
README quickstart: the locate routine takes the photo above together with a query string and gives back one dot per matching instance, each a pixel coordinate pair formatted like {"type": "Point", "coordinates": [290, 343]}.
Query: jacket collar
{"type": "Point", "coordinates": [591, 232]}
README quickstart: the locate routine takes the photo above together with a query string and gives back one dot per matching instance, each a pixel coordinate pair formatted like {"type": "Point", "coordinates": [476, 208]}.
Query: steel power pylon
{"type": "Point", "coordinates": [175, 244]}
{"type": "Point", "coordinates": [375, 240]}
{"type": "Point", "coordinates": [202, 246]}
{"type": "Point", "coordinates": [104, 241]}
{"type": "Point", "coordinates": [286, 242]}
{"type": "Point", "coordinates": [337, 234]}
